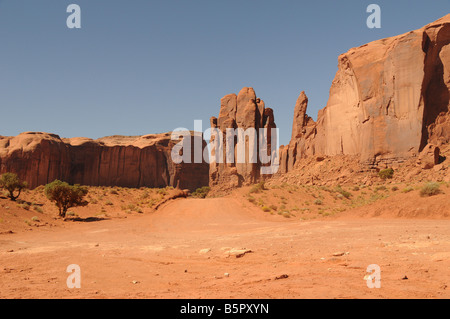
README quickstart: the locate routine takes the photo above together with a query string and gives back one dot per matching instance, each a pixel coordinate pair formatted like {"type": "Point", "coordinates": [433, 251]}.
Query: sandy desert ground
{"type": "Point", "coordinates": [228, 247]}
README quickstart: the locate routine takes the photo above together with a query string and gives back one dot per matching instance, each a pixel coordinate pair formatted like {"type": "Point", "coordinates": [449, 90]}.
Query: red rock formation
{"type": "Point", "coordinates": [388, 100]}
{"type": "Point", "coordinates": [243, 111]}
{"type": "Point", "coordinates": [40, 158]}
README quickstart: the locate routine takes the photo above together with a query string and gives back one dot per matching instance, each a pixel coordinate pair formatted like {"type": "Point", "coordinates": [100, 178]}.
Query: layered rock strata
{"type": "Point", "coordinates": [140, 161]}
{"type": "Point", "coordinates": [388, 101]}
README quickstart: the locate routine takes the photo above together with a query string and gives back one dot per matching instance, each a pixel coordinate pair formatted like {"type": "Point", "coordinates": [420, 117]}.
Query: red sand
{"type": "Point", "coordinates": [159, 255]}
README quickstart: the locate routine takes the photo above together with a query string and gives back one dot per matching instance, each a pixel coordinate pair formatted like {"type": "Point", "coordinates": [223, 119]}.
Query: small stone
{"type": "Point", "coordinates": [338, 254]}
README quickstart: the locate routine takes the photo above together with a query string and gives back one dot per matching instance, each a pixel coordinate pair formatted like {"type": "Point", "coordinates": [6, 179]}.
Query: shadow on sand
{"type": "Point", "coordinates": [86, 220]}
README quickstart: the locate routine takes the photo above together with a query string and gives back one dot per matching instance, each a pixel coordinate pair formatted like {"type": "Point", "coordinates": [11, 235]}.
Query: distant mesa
{"type": "Point", "coordinates": [126, 161]}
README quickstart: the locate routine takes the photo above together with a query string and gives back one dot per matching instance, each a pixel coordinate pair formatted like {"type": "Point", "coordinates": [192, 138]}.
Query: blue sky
{"type": "Point", "coordinates": [139, 67]}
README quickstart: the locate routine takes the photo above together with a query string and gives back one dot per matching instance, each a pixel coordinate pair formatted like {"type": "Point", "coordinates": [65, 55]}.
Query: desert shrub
{"type": "Point", "coordinates": [65, 196]}
{"type": "Point", "coordinates": [394, 188]}
{"type": "Point", "coordinates": [35, 219]}
{"type": "Point", "coordinates": [266, 209]}
{"type": "Point", "coordinates": [258, 188]}
{"type": "Point", "coordinates": [38, 209]}
{"type": "Point", "coordinates": [356, 188]}
{"type": "Point", "coordinates": [162, 191]}
{"type": "Point", "coordinates": [11, 183]}
{"type": "Point", "coordinates": [109, 203]}
{"type": "Point", "coordinates": [273, 207]}
{"type": "Point", "coordinates": [430, 189]}
{"type": "Point", "coordinates": [318, 202]}
{"type": "Point", "coordinates": [113, 192]}
{"type": "Point", "coordinates": [286, 214]}
{"type": "Point", "coordinates": [343, 192]}
{"type": "Point", "coordinates": [386, 173]}
{"type": "Point", "coordinates": [201, 192]}
{"type": "Point", "coordinates": [380, 188]}
{"type": "Point", "coordinates": [24, 206]}
{"type": "Point", "coordinates": [407, 189]}
{"type": "Point", "coordinates": [145, 195]}
{"type": "Point", "coordinates": [251, 199]}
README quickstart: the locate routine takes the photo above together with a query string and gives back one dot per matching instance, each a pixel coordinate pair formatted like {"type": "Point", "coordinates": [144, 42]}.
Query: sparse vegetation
{"type": "Point", "coordinates": [343, 192]}
{"type": "Point", "coordinates": [407, 189]}
{"type": "Point", "coordinates": [430, 189]}
{"type": "Point", "coordinates": [201, 192]}
{"type": "Point", "coordinates": [11, 183]}
{"type": "Point", "coordinates": [38, 209]}
{"type": "Point", "coordinates": [386, 173]}
{"type": "Point", "coordinates": [65, 196]}
{"type": "Point", "coordinates": [258, 188]}
{"type": "Point", "coordinates": [25, 206]}
{"type": "Point", "coordinates": [251, 199]}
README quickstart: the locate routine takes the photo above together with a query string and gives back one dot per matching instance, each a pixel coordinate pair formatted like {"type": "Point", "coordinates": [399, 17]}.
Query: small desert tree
{"type": "Point", "coordinates": [65, 196]}
{"type": "Point", "coordinates": [12, 184]}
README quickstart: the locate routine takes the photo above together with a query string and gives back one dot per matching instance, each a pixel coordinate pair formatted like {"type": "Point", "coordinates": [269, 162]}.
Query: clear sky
{"type": "Point", "coordinates": [138, 67]}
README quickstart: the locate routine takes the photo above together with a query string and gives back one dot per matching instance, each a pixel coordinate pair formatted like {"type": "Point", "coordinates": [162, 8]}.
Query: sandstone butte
{"type": "Point", "coordinates": [243, 111]}
{"type": "Point", "coordinates": [40, 158]}
{"type": "Point", "coordinates": [388, 102]}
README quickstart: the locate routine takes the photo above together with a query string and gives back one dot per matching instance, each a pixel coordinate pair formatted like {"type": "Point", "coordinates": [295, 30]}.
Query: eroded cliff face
{"type": "Point", "coordinates": [40, 158]}
{"type": "Point", "coordinates": [243, 111]}
{"type": "Point", "coordinates": [388, 100]}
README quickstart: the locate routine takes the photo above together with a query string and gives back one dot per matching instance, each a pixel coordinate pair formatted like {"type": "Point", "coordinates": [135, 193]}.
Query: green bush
{"type": "Point", "coordinates": [258, 188]}
{"type": "Point", "coordinates": [343, 192]}
{"type": "Point", "coordinates": [201, 192]}
{"type": "Point", "coordinates": [407, 189]}
{"type": "Point", "coordinates": [318, 202]}
{"type": "Point", "coordinates": [430, 189]}
{"type": "Point", "coordinates": [12, 183]}
{"type": "Point", "coordinates": [65, 196]}
{"type": "Point", "coordinates": [386, 173]}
